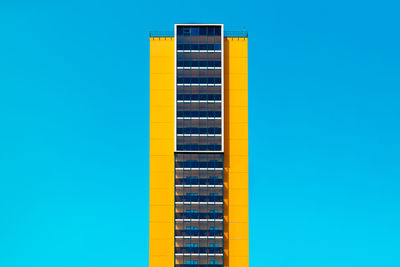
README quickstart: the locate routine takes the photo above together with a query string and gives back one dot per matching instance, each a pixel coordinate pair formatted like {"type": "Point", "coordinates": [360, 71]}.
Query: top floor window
{"type": "Point", "coordinates": [199, 30]}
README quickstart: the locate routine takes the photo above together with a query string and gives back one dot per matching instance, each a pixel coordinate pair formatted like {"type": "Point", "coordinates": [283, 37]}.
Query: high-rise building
{"type": "Point", "coordinates": [198, 147]}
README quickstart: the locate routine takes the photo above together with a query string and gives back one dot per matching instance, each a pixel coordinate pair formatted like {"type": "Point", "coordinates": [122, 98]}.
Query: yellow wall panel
{"type": "Point", "coordinates": [161, 130]}
{"type": "Point", "coordinates": [238, 214]}
{"type": "Point", "coordinates": [239, 261]}
{"type": "Point", "coordinates": [238, 98]}
{"type": "Point", "coordinates": [239, 115]}
{"type": "Point", "coordinates": [158, 261]}
{"type": "Point", "coordinates": [239, 150]}
{"type": "Point", "coordinates": [239, 230]}
{"type": "Point", "coordinates": [161, 241]}
{"type": "Point", "coordinates": [164, 213]}
{"type": "Point", "coordinates": [161, 80]}
{"type": "Point", "coordinates": [236, 152]}
{"type": "Point", "coordinates": [161, 98]}
{"type": "Point", "coordinates": [159, 146]}
{"type": "Point", "coordinates": [238, 131]}
{"type": "Point", "coordinates": [161, 180]}
{"type": "Point", "coordinates": [236, 247]}
{"type": "Point", "coordinates": [237, 82]}
{"type": "Point", "coordinates": [158, 112]}
{"type": "Point", "coordinates": [239, 181]}
{"type": "Point", "coordinates": [159, 232]}
{"type": "Point", "coordinates": [161, 163]}
{"type": "Point", "coordinates": [158, 65]}
{"type": "Point", "coordinates": [238, 65]}
{"type": "Point", "coordinates": [164, 247]}
{"type": "Point", "coordinates": [239, 197]}
{"type": "Point", "coordinates": [158, 195]}
{"type": "Point", "coordinates": [239, 163]}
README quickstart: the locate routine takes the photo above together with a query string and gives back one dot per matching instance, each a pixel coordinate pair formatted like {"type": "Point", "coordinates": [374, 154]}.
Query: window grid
{"type": "Point", "coordinates": [199, 187]}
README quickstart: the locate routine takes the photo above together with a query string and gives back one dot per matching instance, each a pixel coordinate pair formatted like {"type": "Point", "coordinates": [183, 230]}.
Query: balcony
{"type": "Point", "coordinates": [189, 181]}
{"type": "Point", "coordinates": [199, 97]}
{"type": "Point", "coordinates": [198, 114]}
{"type": "Point", "coordinates": [200, 215]}
{"type": "Point", "coordinates": [208, 250]}
{"type": "Point", "coordinates": [199, 198]}
{"type": "Point", "coordinates": [199, 232]}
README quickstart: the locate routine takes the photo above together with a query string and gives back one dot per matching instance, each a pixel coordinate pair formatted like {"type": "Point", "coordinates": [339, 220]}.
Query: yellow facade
{"type": "Point", "coordinates": [236, 223]}
{"type": "Point", "coordinates": [236, 186]}
{"type": "Point", "coordinates": [161, 250]}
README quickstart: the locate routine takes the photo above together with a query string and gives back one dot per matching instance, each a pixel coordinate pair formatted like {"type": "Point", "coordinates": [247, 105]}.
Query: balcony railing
{"type": "Point", "coordinates": [200, 215]}
{"type": "Point", "coordinates": [199, 232]}
{"type": "Point", "coordinates": [199, 250]}
{"type": "Point", "coordinates": [189, 181]}
{"type": "Point", "coordinates": [197, 164]}
{"type": "Point", "coordinates": [199, 198]}
{"type": "Point", "coordinates": [199, 97]}
{"type": "Point", "coordinates": [161, 33]}
{"type": "Point", "coordinates": [200, 265]}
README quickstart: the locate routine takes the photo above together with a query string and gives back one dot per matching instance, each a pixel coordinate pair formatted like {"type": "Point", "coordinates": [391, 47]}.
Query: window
{"type": "Point", "coordinates": [203, 30]}
{"type": "Point", "coordinates": [179, 30]}
{"type": "Point", "coordinates": [211, 30]}
{"type": "Point", "coordinates": [195, 31]}
{"type": "Point", "coordinates": [186, 31]}
{"type": "Point", "coordinates": [192, 211]}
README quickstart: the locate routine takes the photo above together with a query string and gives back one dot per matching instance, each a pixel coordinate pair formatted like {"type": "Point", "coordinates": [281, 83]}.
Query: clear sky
{"type": "Point", "coordinates": [324, 94]}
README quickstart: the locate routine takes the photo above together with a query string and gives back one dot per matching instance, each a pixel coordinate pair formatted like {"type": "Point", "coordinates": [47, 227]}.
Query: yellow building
{"type": "Point", "coordinates": [198, 147]}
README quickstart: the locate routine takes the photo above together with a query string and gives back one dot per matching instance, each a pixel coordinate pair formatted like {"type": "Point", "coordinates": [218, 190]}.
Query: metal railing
{"type": "Point", "coordinates": [161, 34]}
{"type": "Point", "coordinates": [236, 34]}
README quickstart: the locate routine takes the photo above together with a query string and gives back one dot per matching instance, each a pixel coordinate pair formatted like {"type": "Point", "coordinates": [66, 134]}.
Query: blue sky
{"type": "Point", "coordinates": [324, 92]}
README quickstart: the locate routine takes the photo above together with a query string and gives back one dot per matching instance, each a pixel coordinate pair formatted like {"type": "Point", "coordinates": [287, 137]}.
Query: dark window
{"type": "Point", "coordinates": [211, 30]}
{"type": "Point", "coordinates": [195, 31]}
{"type": "Point", "coordinates": [203, 30]}
{"type": "Point", "coordinates": [203, 63]}
{"type": "Point", "coordinates": [180, 30]}
{"type": "Point", "coordinates": [186, 31]}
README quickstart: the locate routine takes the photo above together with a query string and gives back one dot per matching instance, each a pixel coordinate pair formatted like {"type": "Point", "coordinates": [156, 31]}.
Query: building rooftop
{"type": "Point", "coordinates": [171, 34]}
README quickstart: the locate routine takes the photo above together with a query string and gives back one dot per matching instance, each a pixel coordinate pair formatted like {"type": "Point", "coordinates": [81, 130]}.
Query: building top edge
{"type": "Point", "coordinates": [171, 33]}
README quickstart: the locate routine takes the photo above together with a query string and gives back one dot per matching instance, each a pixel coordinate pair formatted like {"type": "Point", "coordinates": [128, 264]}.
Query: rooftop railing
{"type": "Point", "coordinates": [161, 34]}
{"type": "Point", "coordinates": [171, 34]}
{"type": "Point", "coordinates": [236, 34]}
